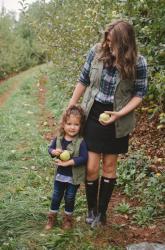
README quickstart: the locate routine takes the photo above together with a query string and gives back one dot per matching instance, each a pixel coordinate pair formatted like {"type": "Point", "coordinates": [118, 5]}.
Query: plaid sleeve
{"type": "Point", "coordinates": [84, 76]}
{"type": "Point", "coordinates": [141, 78]}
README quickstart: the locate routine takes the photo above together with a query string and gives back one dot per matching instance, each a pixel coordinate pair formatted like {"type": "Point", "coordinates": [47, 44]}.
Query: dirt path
{"type": "Point", "coordinates": [8, 93]}
{"type": "Point", "coordinates": [46, 117]}
{"type": "Point", "coordinates": [17, 81]}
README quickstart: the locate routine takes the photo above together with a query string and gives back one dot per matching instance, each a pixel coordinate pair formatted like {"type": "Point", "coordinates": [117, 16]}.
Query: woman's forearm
{"type": "Point", "coordinates": [131, 105]}
{"type": "Point", "coordinates": [77, 93]}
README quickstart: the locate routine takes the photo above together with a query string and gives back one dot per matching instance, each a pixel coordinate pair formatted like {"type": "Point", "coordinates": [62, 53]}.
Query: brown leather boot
{"type": "Point", "coordinates": [51, 220]}
{"type": "Point", "coordinates": [68, 222]}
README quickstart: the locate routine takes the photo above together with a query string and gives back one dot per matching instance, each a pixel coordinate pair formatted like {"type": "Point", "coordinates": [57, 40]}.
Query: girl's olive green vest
{"type": "Point", "coordinates": [73, 148]}
{"type": "Point", "coordinates": [123, 94]}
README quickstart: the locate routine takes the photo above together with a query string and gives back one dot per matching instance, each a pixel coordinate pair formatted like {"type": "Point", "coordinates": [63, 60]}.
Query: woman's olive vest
{"type": "Point", "coordinates": [123, 94]}
{"type": "Point", "coordinates": [78, 172]}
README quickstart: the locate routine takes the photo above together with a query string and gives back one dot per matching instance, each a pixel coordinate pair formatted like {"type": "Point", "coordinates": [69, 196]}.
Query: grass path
{"type": "Point", "coordinates": [27, 123]}
{"type": "Point", "coordinates": [26, 175]}
{"type": "Point", "coordinates": [23, 176]}
{"type": "Point", "coordinates": [8, 87]}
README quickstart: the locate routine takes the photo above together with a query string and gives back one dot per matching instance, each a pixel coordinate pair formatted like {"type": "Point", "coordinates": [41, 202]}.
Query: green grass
{"type": "Point", "coordinates": [60, 89]}
{"type": "Point", "coordinates": [6, 85]}
{"type": "Point", "coordinates": [26, 175]}
{"type": "Point", "coordinates": [21, 145]}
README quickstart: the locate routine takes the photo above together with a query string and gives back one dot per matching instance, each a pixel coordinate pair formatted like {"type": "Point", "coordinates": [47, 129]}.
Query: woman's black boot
{"type": "Point", "coordinates": [106, 188]}
{"type": "Point", "coordinates": [91, 195]}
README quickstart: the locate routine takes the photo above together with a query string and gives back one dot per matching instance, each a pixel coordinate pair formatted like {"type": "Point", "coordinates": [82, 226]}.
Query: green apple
{"type": "Point", "coordinates": [65, 155]}
{"type": "Point", "coordinates": [104, 117]}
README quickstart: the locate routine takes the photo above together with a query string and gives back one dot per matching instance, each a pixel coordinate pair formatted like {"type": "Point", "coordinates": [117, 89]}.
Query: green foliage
{"type": "Point", "coordinates": [18, 44]}
{"type": "Point", "coordinates": [138, 183]}
{"type": "Point", "coordinates": [132, 169]}
{"type": "Point", "coordinates": [63, 31]}
{"type": "Point", "coordinates": [69, 28]}
{"type": "Point", "coordinates": [123, 208]}
{"type": "Point", "coordinates": [148, 17]}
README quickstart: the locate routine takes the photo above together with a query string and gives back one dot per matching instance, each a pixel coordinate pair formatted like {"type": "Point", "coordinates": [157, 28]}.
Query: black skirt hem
{"type": "Point", "coordinates": [100, 138]}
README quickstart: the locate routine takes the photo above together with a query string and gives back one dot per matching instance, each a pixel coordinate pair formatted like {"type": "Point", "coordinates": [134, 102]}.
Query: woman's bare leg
{"type": "Point", "coordinates": [93, 166]}
{"type": "Point", "coordinates": [109, 165]}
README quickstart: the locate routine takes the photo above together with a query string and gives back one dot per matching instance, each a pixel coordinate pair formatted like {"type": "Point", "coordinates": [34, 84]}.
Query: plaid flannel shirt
{"type": "Point", "coordinates": [108, 79]}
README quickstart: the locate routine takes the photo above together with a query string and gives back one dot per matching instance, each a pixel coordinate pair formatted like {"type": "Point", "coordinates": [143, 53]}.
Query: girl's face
{"type": "Point", "coordinates": [72, 126]}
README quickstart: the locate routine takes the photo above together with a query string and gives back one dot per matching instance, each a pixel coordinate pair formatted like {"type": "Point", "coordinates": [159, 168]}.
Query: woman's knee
{"type": "Point", "coordinates": [93, 166]}
{"type": "Point", "coordinates": [92, 171]}
{"type": "Point", "coordinates": [109, 166]}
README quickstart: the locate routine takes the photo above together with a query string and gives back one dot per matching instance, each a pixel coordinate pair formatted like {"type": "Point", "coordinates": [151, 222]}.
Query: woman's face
{"type": "Point", "coordinates": [109, 42]}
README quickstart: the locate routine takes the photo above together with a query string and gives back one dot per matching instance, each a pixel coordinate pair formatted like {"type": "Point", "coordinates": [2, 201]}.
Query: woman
{"type": "Point", "coordinates": [114, 79]}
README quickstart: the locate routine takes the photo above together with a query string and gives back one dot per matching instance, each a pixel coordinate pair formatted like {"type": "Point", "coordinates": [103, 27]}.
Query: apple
{"type": "Point", "coordinates": [104, 117]}
{"type": "Point", "coordinates": [65, 155]}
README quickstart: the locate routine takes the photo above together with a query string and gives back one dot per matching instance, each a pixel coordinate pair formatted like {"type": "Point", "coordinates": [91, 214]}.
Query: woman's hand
{"type": "Point", "coordinates": [113, 116]}
{"type": "Point", "coordinates": [130, 106]}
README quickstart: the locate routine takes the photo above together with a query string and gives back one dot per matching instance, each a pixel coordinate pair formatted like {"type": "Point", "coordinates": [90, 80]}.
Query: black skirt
{"type": "Point", "coordinates": [100, 138]}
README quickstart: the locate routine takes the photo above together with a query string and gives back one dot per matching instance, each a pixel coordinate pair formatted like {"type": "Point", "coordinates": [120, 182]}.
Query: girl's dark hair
{"type": "Point", "coordinates": [74, 110]}
{"type": "Point", "coordinates": [124, 46]}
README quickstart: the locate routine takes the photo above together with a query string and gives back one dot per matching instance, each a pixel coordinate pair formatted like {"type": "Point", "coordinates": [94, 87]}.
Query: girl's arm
{"type": "Point", "coordinates": [76, 161]}
{"type": "Point", "coordinates": [65, 163]}
{"type": "Point", "coordinates": [53, 151]}
{"type": "Point", "coordinates": [83, 155]}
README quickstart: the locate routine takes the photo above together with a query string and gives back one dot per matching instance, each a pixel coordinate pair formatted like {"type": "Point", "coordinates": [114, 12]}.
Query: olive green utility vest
{"type": "Point", "coordinates": [122, 95]}
{"type": "Point", "coordinates": [78, 172]}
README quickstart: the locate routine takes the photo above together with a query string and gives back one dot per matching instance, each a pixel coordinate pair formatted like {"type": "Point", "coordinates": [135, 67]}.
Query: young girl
{"type": "Point", "coordinates": [114, 79]}
{"type": "Point", "coordinates": [70, 173]}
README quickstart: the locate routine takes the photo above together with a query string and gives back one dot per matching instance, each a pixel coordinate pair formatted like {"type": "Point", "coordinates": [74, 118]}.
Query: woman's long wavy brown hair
{"type": "Point", "coordinates": [124, 49]}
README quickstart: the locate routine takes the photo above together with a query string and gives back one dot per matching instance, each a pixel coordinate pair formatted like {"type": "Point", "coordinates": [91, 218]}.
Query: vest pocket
{"type": "Point", "coordinates": [78, 174]}
{"type": "Point", "coordinates": [125, 125]}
